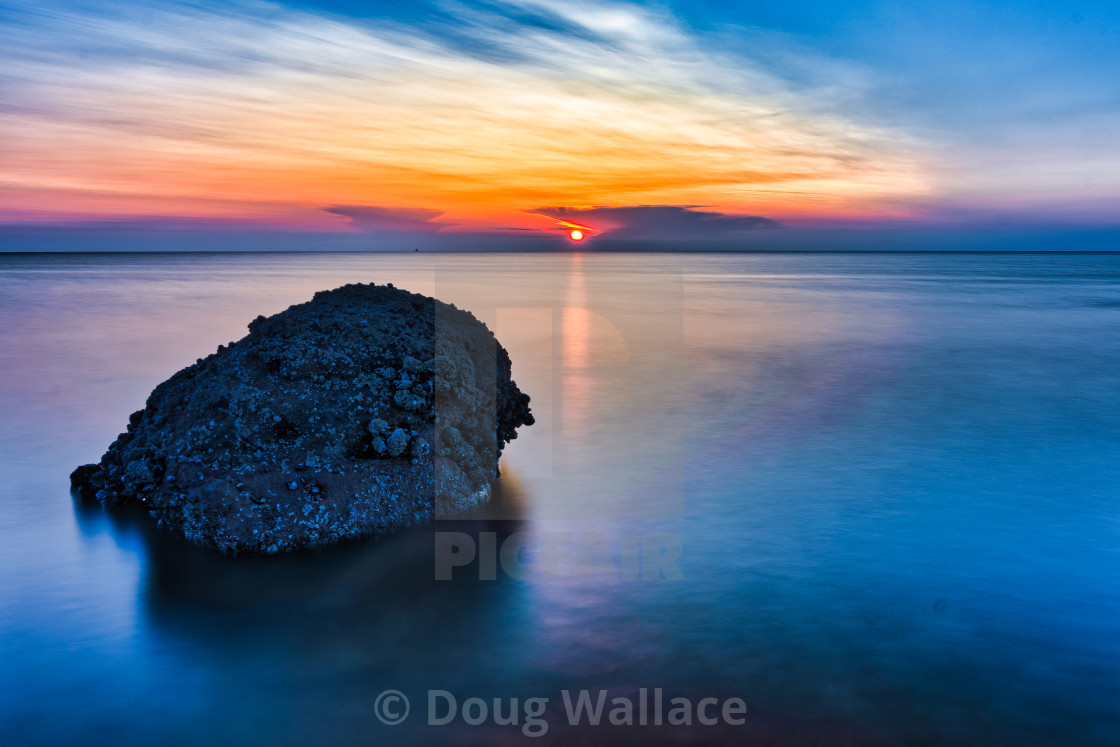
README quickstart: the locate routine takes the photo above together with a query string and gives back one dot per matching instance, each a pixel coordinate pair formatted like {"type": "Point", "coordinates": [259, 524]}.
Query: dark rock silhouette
{"type": "Point", "coordinates": [362, 411]}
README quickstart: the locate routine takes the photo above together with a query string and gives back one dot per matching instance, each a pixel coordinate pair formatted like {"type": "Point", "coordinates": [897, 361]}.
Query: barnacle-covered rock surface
{"type": "Point", "coordinates": [362, 411]}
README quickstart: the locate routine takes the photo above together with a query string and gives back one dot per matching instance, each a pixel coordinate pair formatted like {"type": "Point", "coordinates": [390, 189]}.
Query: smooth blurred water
{"type": "Point", "coordinates": [893, 479]}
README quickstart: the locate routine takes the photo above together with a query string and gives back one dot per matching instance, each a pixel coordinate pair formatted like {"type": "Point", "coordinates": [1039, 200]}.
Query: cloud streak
{"type": "Point", "coordinates": [256, 111]}
{"type": "Point", "coordinates": [658, 222]}
{"type": "Point", "coordinates": [373, 219]}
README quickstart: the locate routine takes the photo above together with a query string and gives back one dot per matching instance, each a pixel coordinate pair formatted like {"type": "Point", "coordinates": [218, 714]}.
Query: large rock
{"type": "Point", "coordinates": [359, 412]}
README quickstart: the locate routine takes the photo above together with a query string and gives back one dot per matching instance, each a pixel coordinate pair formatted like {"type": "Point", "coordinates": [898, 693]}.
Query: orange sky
{"type": "Point", "coordinates": [341, 115]}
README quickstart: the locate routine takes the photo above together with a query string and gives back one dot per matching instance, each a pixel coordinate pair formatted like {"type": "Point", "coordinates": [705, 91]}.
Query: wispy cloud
{"type": "Point", "coordinates": [256, 110]}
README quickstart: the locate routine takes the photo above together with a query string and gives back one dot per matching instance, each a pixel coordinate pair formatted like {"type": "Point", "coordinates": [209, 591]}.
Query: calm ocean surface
{"type": "Point", "coordinates": [893, 482]}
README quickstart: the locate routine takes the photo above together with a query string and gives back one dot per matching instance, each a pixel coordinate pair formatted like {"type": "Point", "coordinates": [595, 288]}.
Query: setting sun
{"type": "Point", "coordinates": [576, 235]}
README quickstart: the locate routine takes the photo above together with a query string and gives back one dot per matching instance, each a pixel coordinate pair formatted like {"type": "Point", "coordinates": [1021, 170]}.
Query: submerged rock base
{"type": "Point", "coordinates": [362, 411]}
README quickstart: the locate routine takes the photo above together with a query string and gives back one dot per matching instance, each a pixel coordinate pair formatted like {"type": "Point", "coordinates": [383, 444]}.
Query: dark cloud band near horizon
{"type": "Point", "coordinates": [209, 236]}
{"type": "Point", "coordinates": [632, 222]}
{"type": "Point", "coordinates": [374, 218]}
{"type": "Point", "coordinates": [658, 222]}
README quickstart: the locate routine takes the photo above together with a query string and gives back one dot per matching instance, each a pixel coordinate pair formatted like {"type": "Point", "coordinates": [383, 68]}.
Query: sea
{"type": "Point", "coordinates": [817, 498]}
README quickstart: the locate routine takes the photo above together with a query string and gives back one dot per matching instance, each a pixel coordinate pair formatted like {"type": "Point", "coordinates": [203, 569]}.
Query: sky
{"type": "Point", "coordinates": [451, 124]}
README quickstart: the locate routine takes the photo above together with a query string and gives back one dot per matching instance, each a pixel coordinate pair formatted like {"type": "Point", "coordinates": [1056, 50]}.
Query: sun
{"type": "Point", "coordinates": [576, 235]}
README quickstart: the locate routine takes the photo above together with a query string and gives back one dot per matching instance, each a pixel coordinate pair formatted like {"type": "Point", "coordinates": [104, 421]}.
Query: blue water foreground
{"type": "Point", "coordinates": [876, 497]}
